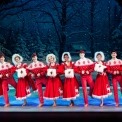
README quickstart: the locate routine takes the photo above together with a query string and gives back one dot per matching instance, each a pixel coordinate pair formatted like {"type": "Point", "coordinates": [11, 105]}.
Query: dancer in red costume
{"type": "Point", "coordinates": [115, 70]}
{"type": "Point", "coordinates": [71, 87]}
{"type": "Point", "coordinates": [5, 74]}
{"type": "Point", "coordinates": [23, 89]}
{"type": "Point", "coordinates": [85, 66]}
{"type": "Point", "coordinates": [37, 72]}
{"type": "Point", "coordinates": [54, 85]}
{"type": "Point", "coordinates": [101, 88]}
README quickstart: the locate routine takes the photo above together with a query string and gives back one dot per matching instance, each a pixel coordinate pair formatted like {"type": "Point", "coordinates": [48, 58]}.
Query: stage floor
{"type": "Point", "coordinates": [62, 105]}
{"type": "Point", "coordinates": [61, 109]}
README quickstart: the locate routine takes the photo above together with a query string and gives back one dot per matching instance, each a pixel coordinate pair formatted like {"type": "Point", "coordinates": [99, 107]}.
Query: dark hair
{"type": "Point", "coordinates": [66, 54]}
{"type": "Point", "coordinates": [16, 57]}
{"type": "Point", "coordinates": [113, 51]}
{"type": "Point", "coordinates": [2, 54]}
{"type": "Point", "coordinates": [98, 54]}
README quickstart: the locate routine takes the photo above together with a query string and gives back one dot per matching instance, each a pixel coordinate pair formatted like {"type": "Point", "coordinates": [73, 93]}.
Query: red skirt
{"type": "Point", "coordinates": [101, 87]}
{"type": "Point", "coordinates": [53, 88]}
{"type": "Point", "coordinates": [1, 90]}
{"type": "Point", "coordinates": [71, 89]}
{"type": "Point", "coordinates": [23, 90]}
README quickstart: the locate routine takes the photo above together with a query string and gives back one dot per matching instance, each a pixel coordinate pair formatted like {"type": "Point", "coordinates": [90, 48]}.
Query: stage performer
{"type": "Point", "coordinates": [54, 85]}
{"type": "Point", "coordinates": [37, 71]}
{"type": "Point", "coordinates": [70, 87]}
{"type": "Point", "coordinates": [5, 75]}
{"type": "Point", "coordinates": [101, 88]}
{"type": "Point", "coordinates": [85, 67]}
{"type": "Point", "coordinates": [23, 88]}
{"type": "Point", "coordinates": [115, 70]}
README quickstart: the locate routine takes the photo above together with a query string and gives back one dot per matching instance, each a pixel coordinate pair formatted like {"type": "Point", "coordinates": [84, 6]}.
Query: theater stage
{"type": "Point", "coordinates": [62, 105]}
{"type": "Point", "coordinates": [62, 112]}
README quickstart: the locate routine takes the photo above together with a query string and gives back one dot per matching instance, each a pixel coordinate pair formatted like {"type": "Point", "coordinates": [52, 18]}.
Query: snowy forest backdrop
{"type": "Point", "coordinates": [55, 26]}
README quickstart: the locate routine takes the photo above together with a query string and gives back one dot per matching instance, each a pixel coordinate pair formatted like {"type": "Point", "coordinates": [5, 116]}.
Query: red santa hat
{"type": "Point", "coordinates": [82, 51]}
{"type": "Point", "coordinates": [101, 53]}
{"type": "Point", "coordinates": [14, 56]}
{"type": "Point", "coordinates": [34, 54]}
{"type": "Point", "coordinates": [67, 53]}
{"type": "Point", "coordinates": [2, 54]}
{"type": "Point", "coordinates": [50, 55]}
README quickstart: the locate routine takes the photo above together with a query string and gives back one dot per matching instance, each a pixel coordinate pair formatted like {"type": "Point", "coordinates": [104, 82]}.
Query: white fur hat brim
{"type": "Point", "coordinates": [102, 54]}
{"type": "Point", "coordinates": [14, 56]}
{"type": "Point", "coordinates": [68, 56]}
{"type": "Point", "coordinates": [50, 55]}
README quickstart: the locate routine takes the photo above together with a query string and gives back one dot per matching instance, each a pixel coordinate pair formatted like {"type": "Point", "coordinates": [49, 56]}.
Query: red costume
{"type": "Point", "coordinates": [71, 87]}
{"type": "Point", "coordinates": [5, 72]}
{"type": "Point", "coordinates": [23, 88]}
{"type": "Point", "coordinates": [38, 68]}
{"type": "Point", "coordinates": [114, 68]}
{"type": "Point", "coordinates": [54, 86]}
{"type": "Point", "coordinates": [101, 87]}
{"type": "Point", "coordinates": [84, 67]}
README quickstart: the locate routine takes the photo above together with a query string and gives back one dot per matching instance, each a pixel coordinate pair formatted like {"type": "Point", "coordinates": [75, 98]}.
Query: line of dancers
{"type": "Point", "coordinates": [35, 74]}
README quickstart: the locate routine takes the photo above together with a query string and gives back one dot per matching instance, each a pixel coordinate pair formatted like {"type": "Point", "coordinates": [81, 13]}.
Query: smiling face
{"type": "Point", "coordinates": [51, 59]}
{"type": "Point", "coordinates": [17, 59]}
{"type": "Point", "coordinates": [82, 55]}
{"type": "Point", "coordinates": [113, 54]}
{"type": "Point", "coordinates": [34, 58]}
{"type": "Point", "coordinates": [2, 59]}
{"type": "Point", "coordinates": [99, 57]}
{"type": "Point", "coordinates": [66, 57]}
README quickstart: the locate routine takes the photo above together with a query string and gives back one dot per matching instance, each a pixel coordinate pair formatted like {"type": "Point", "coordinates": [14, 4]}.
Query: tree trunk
{"type": "Point", "coordinates": [109, 27]}
{"type": "Point", "coordinates": [63, 29]}
{"type": "Point", "coordinates": [92, 9]}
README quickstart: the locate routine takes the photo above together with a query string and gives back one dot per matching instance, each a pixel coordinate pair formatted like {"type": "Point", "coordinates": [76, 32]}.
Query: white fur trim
{"type": "Point", "coordinates": [99, 68]}
{"type": "Point", "coordinates": [16, 55]}
{"type": "Point", "coordinates": [22, 98]}
{"type": "Point", "coordinates": [102, 54]}
{"type": "Point", "coordinates": [53, 98]}
{"type": "Point", "coordinates": [67, 54]}
{"type": "Point", "coordinates": [69, 73]}
{"type": "Point", "coordinates": [50, 55]}
{"type": "Point", "coordinates": [51, 72]}
{"type": "Point", "coordinates": [21, 73]}
{"type": "Point", "coordinates": [69, 98]}
{"type": "Point", "coordinates": [102, 96]}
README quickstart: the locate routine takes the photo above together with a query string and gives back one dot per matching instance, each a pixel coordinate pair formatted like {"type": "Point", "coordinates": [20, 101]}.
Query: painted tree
{"type": "Point", "coordinates": [117, 38]}
{"type": "Point", "coordinates": [2, 47]}
{"type": "Point", "coordinates": [59, 14]}
{"type": "Point", "coordinates": [21, 47]}
{"type": "Point", "coordinates": [40, 47]}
